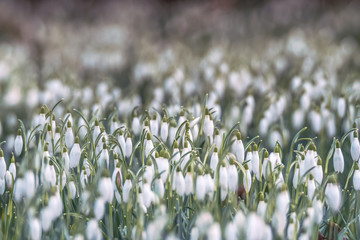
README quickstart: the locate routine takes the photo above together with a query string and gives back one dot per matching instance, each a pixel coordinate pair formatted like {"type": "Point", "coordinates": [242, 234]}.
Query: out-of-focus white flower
{"type": "Point", "coordinates": [262, 205]}
{"type": "Point", "coordinates": [35, 229]}
{"type": "Point", "coordinates": [72, 189]}
{"type": "Point", "coordinates": [159, 188]}
{"type": "Point", "coordinates": [208, 124]}
{"type": "Point", "coordinates": [75, 154]}
{"type": "Point", "coordinates": [127, 189]}
{"type": "Point", "coordinates": [99, 208]}
{"type": "Point", "coordinates": [231, 231]}
{"type": "Point", "coordinates": [128, 146]}
{"type": "Point", "coordinates": [18, 144]}
{"type": "Point", "coordinates": [214, 160]}
{"type": "Point", "coordinates": [203, 221]}
{"type": "Point", "coordinates": [154, 125]}
{"type": "Point", "coordinates": [2, 164]}
{"type": "Point", "coordinates": [214, 232]}
{"type": "Point", "coordinates": [311, 187]}
{"type": "Point", "coordinates": [66, 160]}
{"type": "Point", "coordinates": [189, 183]}
{"type": "Point", "coordinates": [333, 195]}
{"type": "Point", "coordinates": [135, 125]}
{"type": "Point", "coordinates": [238, 148]}
{"type": "Point", "coordinates": [255, 227]}
{"type": "Point", "coordinates": [255, 161]}
{"type": "Point", "coordinates": [338, 158]}
{"type": "Point", "coordinates": [282, 201]}
{"type": "Point", "coordinates": [105, 187]}
{"type": "Point", "coordinates": [149, 145]}
{"type": "Point", "coordinates": [201, 187]}
{"type": "Point", "coordinates": [341, 107]}
{"type": "Point", "coordinates": [179, 182]}
{"type": "Point", "coordinates": [318, 171]}
{"type": "Point", "coordinates": [356, 177]}
{"type": "Point", "coordinates": [12, 167]}
{"type": "Point", "coordinates": [233, 177]}
{"type": "Point", "coordinates": [92, 230]}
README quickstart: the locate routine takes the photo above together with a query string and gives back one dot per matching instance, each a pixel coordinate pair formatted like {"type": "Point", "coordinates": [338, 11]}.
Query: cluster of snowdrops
{"type": "Point", "coordinates": [159, 176]}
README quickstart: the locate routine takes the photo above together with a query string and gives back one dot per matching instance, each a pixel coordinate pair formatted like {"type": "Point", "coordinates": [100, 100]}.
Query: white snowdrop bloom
{"type": "Point", "coordinates": [172, 131]}
{"type": "Point", "coordinates": [311, 187]}
{"type": "Point", "coordinates": [163, 164]}
{"type": "Point", "coordinates": [238, 148]}
{"type": "Point", "coordinates": [290, 229]}
{"type": "Point", "coordinates": [239, 220]}
{"type": "Point", "coordinates": [333, 195]}
{"type": "Point", "coordinates": [189, 183]}
{"type": "Point", "coordinates": [223, 176]}
{"type": "Point", "coordinates": [331, 125]}
{"type": "Point", "coordinates": [75, 154]}
{"type": "Point", "coordinates": [72, 189]}
{"type": "Point", "coordinates": [315, 120]}
{"type": "Point", "coordinates": [210, 184]}
{"type": "Point", "coordinates": [203, 221]}
{"type": "Point", "coordinates": [104, 158]}
{"type": "Point", "coordinates": [127, 189]}
{"type": "Point", "coordinates": [2, 164]}
{"type": "Point", "coordinates": [147, 194]}
{"type": "Point", "coordinates": [114, 125]}
{"type": "Point", "coordinates": [176, 155]}
{"type": "Point", "coordinates": [42, 119]}
{"type": "Point", "coordinates": [50, 175]}
{"type": "Point", "coordinates": [185, 155]}
{"type": "Point", "coordinates": [128, 146]}
{"type": "Point", "coordinates": [248, 158]}
{"type": "Point", "coordinates": [355, 148]}
{"type": "Point", "coordinates": [356, 178]}
{"type": "Point", "coordinates": [231, 231]}
{"type": "Point", "coordinates": [233, 177]}
{"type": "Point", "coordinates": [96, 131]}
{"type": "Point", "coordinates": [18, 189]}
{"type": "Point", "coordinates": [214, 160]}
{"type": "Point", "coordinates": [82, 128]}
{"type": "Point", "coordinates": [247, 180]}
{"type": "Point", "coordinates": [214, 232]}
{"type": "Point", "coordinates": [99, 208]}
{"type": "Point", "coordinates": [179, 182]}
{"type": "Point", "coordinates": [279, 222]}
{"type": "Point", "coordinates": [2, 186]}
{"type": "Point", "coordinates": [78, 237]}
{"type": "Point", "coordinates": [201, 187]}
{"type": "Point", "coordinates": [46, 218]}
{"type": "Point", "coordinates": [255, 227]}
{"type": "Point", "coordinates": [283, 201]}
{"type": "Point", "coordinates": [318, 172]}
{"type": "Point", "coordinates": [135, 125]}
{"type": "Point", "coordinates": [149, 146]}
{"type": "Point", "coordinates": [57, 139]}
{"type": "Point", "coordinates": [83, 178]}
{"type": "Point", "coordinates": [261, 208]}
{"type": "Point", "coordinates": [310, 155]}
{"type": "Point", "coordinates": [92, 230]}
{"type": "Point", "coordinates": [208, 124]}
{"type": "Point", "coordinates": [159, 188]}
{"type": "Point", "coordinates": [164, 131]}
{"type": "Point", "coordinates": [12, 167]}
{"type": "Point", "coordinates": [217, 138]}
{"type": "Point", "coordinates": [194, 235]}
{"type": "Point", "coordinates": [305, 101]}
{"type": "Point", "coordinates": [182, 118]}
{"type": "Point", "coordinates": [66, 160]}
{"type": "Point", "coordinates": [341, 107]}
{"type": "Point", "coordinates": [122, 142]}
{"type": "Point", "coordinates": [55, 204]}
{"type": "Point", "coordinates": [61, 180]}
{"type": "Point", "coordinates": [298, 118]}
{"type": "Point", "coordinates": [29, 181]}
{"type": "Point", "coordinates": [69, 136]}
{"type": "Point", "coordinates": [18, 144]}
{"type": "Point", "coordinates": [154, 125]}
{"type": "Point", "coordinates": [296, 176]}
{"type": "Point", "coordinates": [338, 158]}
{"type": "Point", "coordinates": [149, 171]}
{"type": "Point", "coordinates": [35, 229]}
{"type": "Point", "coordinates": [105, 187]}
{"type": "Point", "coordinates": [267, 165]}
{"type": "Point", "coordinates": [255, 161]}
{"type": "Point", "coordinates": [318, 210]}
{"type": "Point", "coordinates": [9, 179]}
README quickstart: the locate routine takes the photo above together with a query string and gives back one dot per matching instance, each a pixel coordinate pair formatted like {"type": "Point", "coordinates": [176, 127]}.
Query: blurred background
{"type": "Point", "coordinates": [260, 61]}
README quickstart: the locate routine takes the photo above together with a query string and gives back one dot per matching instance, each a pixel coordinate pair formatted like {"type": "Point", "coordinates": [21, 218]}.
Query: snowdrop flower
{"type": "Point", "coordinates": [355, 147]}
{"type": "Point", "coordinates": [104, 157]}
{"type": "Point", "coordinates": [127, 189]}
{"type": "Point", "coordinates": [247, 180]}
{"type": "Point", "coordinates": [310, 155]}
{"type": "Point", "coordinates": [201, 186]}
{"type": "Point", "coordinates": [92, 230]}
{"type": "Point", "coordinates": [41, 119]}
{"type": "Point", "coordinates": [66, 159]}
{"type": "Point", "coordinates": [29, 180]}
{"type": "Point", "coordinates": [182, 117]}
{"type": "Point", "coordinates": [61, 181]}
{"type": "Point", "coordinates": [208, 124]}
{"type": "Point", "coordinates": [105, 186]}
{"type": "Point", "coordinates": [214, 160]}
{"type": "Point", "coordinates": [99, 208]}
{"type": "Point", "coordinates": [122, 142]}
{"type": "Point", "coordinates": [2, 164]}
{"type": "Point", "coordinates": [163, 164]}
{"type": "Point", "coordinates": [114, 125]}
{"type": "Point", "coordinates": [12, 167]}
{"type": "Point", "coordinates": [135, 125]}
{"type": "Point", "coordinates": [315, 120]}
{"type": "Point", "coordinates": [255, 161]}
{"type": "Point", "coordinates": [311, 187]}
{"type": "Point", "coordinates": [128, 146]}
{"type": "Point", "coordinates": [172, 130]}
{"type": "Point", "coordinates": [238, 148]}
{"type": "Point", "coordinates": [214, 232]}
{"type": "Point", "coordinates": [232, 176]}
{"type": "Point", "coordinates": [338, 158]}
{"type": "Point", "coordinates": [72, 189]}
{"type": "Point", "coordinates": [341, 107]}
{"type": "Point", "coordinates": [217, 138]}
{"type": "Point", "coordinates": [318, 171]}
{"type": "Point", "coordinates": [176, 153]}
{"type": "Point", "coordinates": [69, 136]}
{"type": "Point", "coordinates": [255, 227]}
{"type": "Point", "coordinates": [203, 222]}
{"type": "Point", "coordinates": [75, 154]}
{"type": "Point", "coordinates": [82, 128]}
{"type": "Point", "coordinates": [356, 178]}
{"type": "Point", "coordinates": [18, 145]}
{"type": "Point", "coordinates": [317, 205]}
{"type": "Point", "coordinates": [19, 189]}
{"type": "Point", "coordinates": [231, 231]}
{"type": "Point", "coordinates": [57, 138]}
{"type": "Point", "coordinates": [46, 218]}
{"type": "Point", "coordinates": [283, 201]}
{"type": "Point", "coordinates": [185, 155]}
{"type": "Point", "coordinates": [262, 205]}
{"type": "Point", "coordinates": [147, 194]}
{"type": "Point", "coordinates": [149, 171]}
{"type": "Point", "coordinates": [149, 146]}
{"type": "Point", "coordinates": [96, 131]}
{"type": "Point", "coordinates": [248, 158]}
{"type": "Point", "coordinates": [179, 182]}
{"type": "Point", "coordinates": [333, 195]}
{"type": "Point", "coordinates": [2, 186]}
{"type": "Point", "coordinates": [83, 177]}
{"type": "Point", "coordinates": [49, 138]}
{"type": "Point", "coordinates": [210, 184]}
{"type": "Point", "coordinates": [223, 176]}
{"type": "Point", "coordinates": [154, 125]}
{"type": "Point", "coordinates": [189, 183]}
{"type": "Point", "coordinates": [159, 188]}
{"type": "Point", "coordinates": [296, 176]}
{"type": "Point", "coordinates": [35, 229]}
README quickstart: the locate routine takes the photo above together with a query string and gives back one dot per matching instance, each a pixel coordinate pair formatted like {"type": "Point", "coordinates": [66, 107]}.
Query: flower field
{"type": "Point", "coordinates": [113, 131]}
